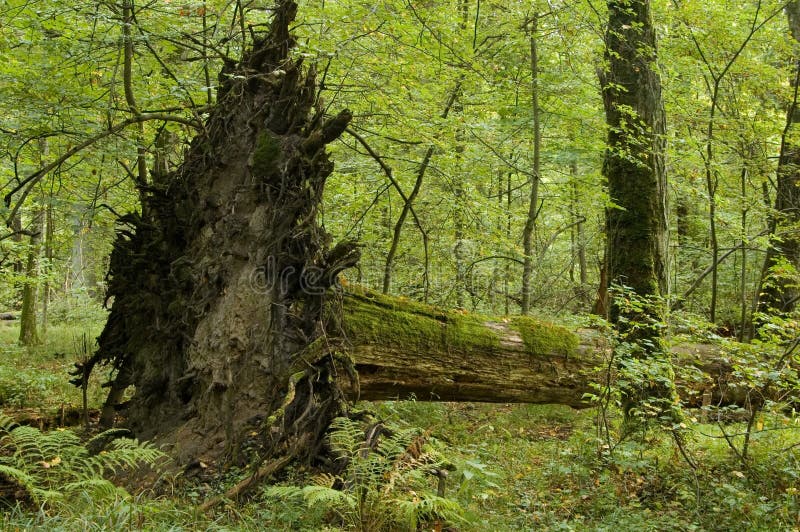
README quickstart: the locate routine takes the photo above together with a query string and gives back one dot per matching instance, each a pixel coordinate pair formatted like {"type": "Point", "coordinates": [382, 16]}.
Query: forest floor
{"type": "Point", "coordinates": [513, 467]}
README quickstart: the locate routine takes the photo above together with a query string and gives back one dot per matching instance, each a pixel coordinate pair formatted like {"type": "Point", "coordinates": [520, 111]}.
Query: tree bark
{"type": "Point", "coordinates": [636, 223]}
{"type": "Point", "coordinates": [779, 291]}
{"type": "Point", "coordinates": [529, 231]}
{"type": "Point", "coordinates": [28, 331]}
{"type": "Point", "coordinates": [634, 162]}
{"type": "Point", "coordinates": [49, 234]}
{"type": "Point", "coordinates": [219, 287]}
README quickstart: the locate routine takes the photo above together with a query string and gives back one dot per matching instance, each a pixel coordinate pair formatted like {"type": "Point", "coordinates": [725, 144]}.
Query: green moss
{"type": "Point", "coordinates": [469, 331]}
{"type": "Point", "coordinates": [266, 152]}
{"type": "Point", "coordinates": [399, 303]}
{"type": "Point", "coordinates": [541, 338]}
{"type": "Point", "coordinates": [376, 318]}
{"type": "Point", "coordinates": [376, 324]}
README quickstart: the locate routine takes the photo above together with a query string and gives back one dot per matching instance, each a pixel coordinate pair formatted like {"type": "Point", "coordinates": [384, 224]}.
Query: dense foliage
{"type": "Point", "coordinates": [471, 177]}
{"type": "Point", "coordinates": [442, 99]}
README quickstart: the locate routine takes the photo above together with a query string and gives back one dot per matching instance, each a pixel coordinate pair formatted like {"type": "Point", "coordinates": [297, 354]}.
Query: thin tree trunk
{"type": "Point", "coordinates": [580, 235]}
{"type": "Point", "coordinates": [458, 187]}
{"type": "Point", "coordinates": [48, 256]}
{"type": "Point", "coordinates": [743, 301]}
{"type": "Point", "coordinates": [16, 228]}
{"type": "Point", "coordinates": [711, 189]}
{"type": "Point", "coordinates": [409, 203]}
{"type": "Point", "coordinates": [28, 331]}
{"type": "Point", "coordinates": [509, 220]}
{"type": "Point", "coordinates": [130, 99]}
{"type": "Point", "coordinates": [529, 231]}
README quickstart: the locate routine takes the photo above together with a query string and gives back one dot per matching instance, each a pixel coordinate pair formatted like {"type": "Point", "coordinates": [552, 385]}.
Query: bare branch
{"type": "Point", "coordinates": [26, 184]}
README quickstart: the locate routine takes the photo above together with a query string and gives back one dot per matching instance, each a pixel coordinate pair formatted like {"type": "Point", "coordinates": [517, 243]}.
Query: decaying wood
{"type": "Point", "coordinates": [218, 282]}
{"type": "Point", "coordinates": [508, 372]}
{"type": "Point", "coordinates": [505, 375]}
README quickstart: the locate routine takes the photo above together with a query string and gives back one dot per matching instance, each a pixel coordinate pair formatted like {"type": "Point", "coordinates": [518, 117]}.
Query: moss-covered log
{"type": "Point", "coordinates": [404, 349]}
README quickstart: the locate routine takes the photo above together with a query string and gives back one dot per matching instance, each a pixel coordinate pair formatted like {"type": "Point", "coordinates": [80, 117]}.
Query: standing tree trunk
{"type": "Point", "coordinates": [636, 227]}
{"type": "Point", "coordinates": [28, 333]}
{"type": "Point", "coordinates": [529, 231]}
{"type": "Point", "coordinates": [409, 202]}
{"type": "Point", "coordinates": [82, 272]}
{"type": "Point", "coordinates": [779, 291]}
{"type": "Point", "coordinates": [579, 235]}
{"type": "Point", "coordinates": [49, 233]}
{"type": "Point", "coordinates": [219, 315]}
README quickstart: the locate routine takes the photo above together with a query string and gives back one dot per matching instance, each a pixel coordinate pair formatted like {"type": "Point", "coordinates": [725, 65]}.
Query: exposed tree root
{"type": "Point", "coordinates": [240, 489]}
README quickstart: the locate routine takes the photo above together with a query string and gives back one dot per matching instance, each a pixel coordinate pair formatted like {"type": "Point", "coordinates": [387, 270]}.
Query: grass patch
{"type": "Point", "coordinates": [38, 377]}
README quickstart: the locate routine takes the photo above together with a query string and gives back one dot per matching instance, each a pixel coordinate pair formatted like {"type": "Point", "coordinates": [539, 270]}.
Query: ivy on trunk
{"type": "Point", "coordinates": [636, 221]}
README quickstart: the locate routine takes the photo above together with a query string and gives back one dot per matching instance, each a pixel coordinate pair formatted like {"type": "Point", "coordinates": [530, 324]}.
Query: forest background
{"type": "Point", "coordinates": [471, 173]}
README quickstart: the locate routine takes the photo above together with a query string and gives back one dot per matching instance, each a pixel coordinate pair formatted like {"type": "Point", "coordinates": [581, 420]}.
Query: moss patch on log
{"type": "Point", "coordinates": [396, 302]}
{"type": "Point", "coordinates": [375, 318]}
{"type": "Point", "coordinates": [542, 338]}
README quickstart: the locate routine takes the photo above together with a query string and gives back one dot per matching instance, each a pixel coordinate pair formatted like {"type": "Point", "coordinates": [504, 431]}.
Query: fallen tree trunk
{"type": "Point", "coordinates": [405, 350]}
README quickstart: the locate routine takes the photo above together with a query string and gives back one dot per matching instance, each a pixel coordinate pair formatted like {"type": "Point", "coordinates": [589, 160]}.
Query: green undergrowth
{"type": "Point", "coordinates": [37, 377]}
{"type": "Point", "coordinates": [515, 467]}
{"type": "Point", "coordinates": [511, 467]}
{"type": "Point", "coordinates": [543, 468]}
{"type": "Point", "coordinates": [529, 467]}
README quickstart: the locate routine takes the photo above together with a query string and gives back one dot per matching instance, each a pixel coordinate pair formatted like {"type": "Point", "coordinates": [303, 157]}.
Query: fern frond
{"type": "Point", "coordinates": [54, 467]}
{"type": "Point", "coordinates": [96, 489]}
{"type": "Point", "coordinates": [325, 479]}
{"type": "Point", "coordinates": [428, 507]}
{"type": "Point", "coordinates": [283, 492]}
{"type": "Point", "coordinates": [26, 443]}
{"type": "Point", "coordinates": [345, 436]}
{"type": "Point", "coordinates": [123, 454]}
{"type": "Point", "coordinates": [130, 453]}
{"type": "Point", "coordinates": [328, 498]}
{"type": "Point", "coordinates": [6, 424]}
{"type": "Point", "coordinates": [31, 446]}
{"type": "Point", "coordinates": [99, 442]}
{"type": "Point", "coordinates": [380, 482]}
{"type": "Point", "coordinates": [18, 476]}
{"type": "Point", "coordinates": [28, 483]}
